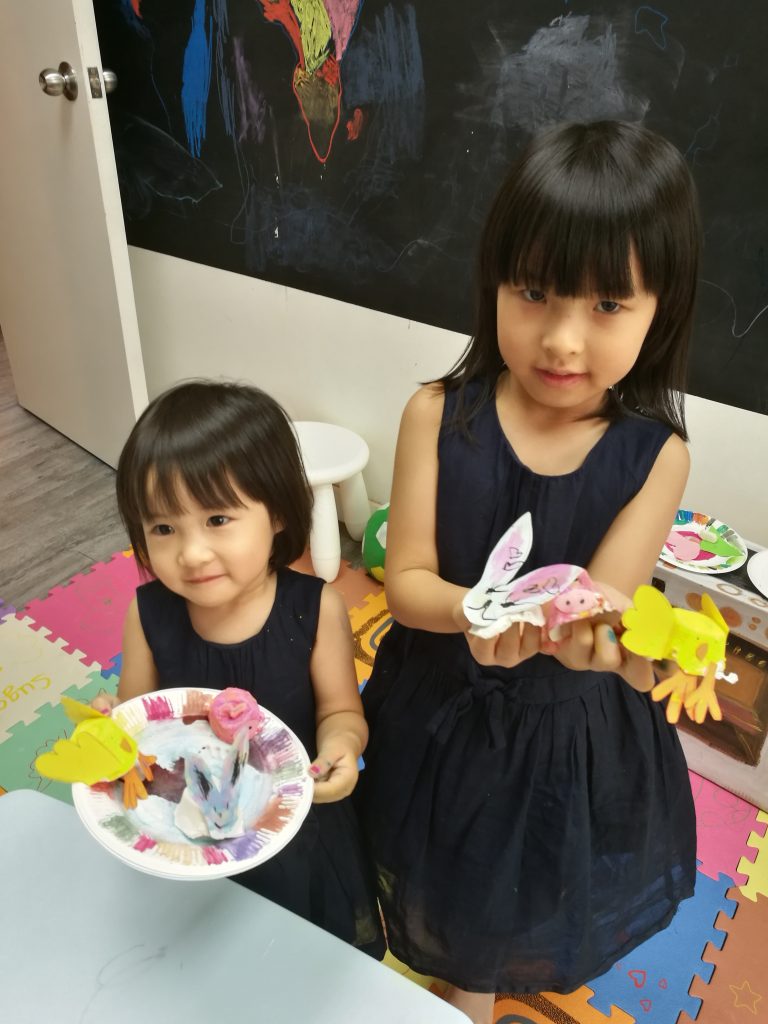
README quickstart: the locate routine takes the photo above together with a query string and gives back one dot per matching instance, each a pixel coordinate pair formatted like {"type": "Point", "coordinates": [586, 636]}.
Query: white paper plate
{"type": "Point", "coordinates": [683, 546]}
{"type": "Point", "coordinates": [168, 723]}
{"type": "Point", "coordinates": [757, 570]}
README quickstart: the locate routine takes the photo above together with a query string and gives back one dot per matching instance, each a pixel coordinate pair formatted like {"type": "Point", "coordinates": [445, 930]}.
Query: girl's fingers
{"type": "Point", "coordinates": [486, 651]}
{"type": "Point", "coordinates": [530, 642]}
{"type": "Point", "coordinates": [607, 651]}
{"type": "Point", "coordinates": [104, 703]}
{"type": "Point", "coordinates": [335, 782]}
{"type": "Point", "coordinates": [321, 768]}
{"type": "Point", "coordinates": [508, 645]}
{"type": "Point", "coordinates": [581, 645]}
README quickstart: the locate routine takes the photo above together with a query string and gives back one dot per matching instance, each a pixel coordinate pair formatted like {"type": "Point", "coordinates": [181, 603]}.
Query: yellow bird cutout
{"type": "Point", "coordinates": [98, 751]}
{"type": "Point", "coordinates": [695, 641]}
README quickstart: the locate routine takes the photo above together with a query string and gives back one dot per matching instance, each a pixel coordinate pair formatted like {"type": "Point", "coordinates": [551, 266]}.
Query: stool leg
{"type": "Point", "coordinates": [324, 542]}
{"type": "Point", "coordinates": [355, 509]}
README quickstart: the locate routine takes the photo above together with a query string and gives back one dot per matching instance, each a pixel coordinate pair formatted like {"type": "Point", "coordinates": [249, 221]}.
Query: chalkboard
{"type": "Point", "coordinates": [351, 147]}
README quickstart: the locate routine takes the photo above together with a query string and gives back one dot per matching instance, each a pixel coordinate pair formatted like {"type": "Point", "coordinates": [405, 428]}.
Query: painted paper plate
{"type": "Point", "coordinates": [172, 724]}
{"type": "Point", "coordinates": [757, 570]}
{"type": "Point", "coordinates": [699, 543]}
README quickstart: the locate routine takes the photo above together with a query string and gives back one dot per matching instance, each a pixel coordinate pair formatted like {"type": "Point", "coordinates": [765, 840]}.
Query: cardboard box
{"type": "Point", "coordinates": [733, 753]}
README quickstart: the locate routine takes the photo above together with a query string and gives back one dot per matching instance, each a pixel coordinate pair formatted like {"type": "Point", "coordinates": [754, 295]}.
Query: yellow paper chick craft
{"type": "Point", "coordinates": [695, 641]}
{"type": "Point", "coordinates": [98, 751]}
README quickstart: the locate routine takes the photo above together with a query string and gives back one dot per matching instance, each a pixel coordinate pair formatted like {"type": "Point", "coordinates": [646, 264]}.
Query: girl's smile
{"type": "Point", "coordinates": [559, 379]}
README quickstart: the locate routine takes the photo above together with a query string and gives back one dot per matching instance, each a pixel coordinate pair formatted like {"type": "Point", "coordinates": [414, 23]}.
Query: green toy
{"type": "Point", "coordinates": [375, 543]}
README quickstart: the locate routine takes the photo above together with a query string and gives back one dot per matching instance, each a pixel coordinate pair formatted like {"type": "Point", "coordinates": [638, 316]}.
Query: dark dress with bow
{"type": "Point", "coordinates": [532, 825]}
{"type": "Point", "coordinates": [322, 874]}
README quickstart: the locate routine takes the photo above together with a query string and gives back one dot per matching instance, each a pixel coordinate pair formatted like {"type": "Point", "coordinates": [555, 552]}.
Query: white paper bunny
{"type": "Point", "coordinates": [499, 599]}
{"type": "Point", "coordinates": [211, 804]}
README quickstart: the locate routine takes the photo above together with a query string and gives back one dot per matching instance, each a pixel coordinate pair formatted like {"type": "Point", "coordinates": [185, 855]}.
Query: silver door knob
{"type": "Point", "coordinates": [110, 80]}
{"type": "Point", "coordinates": [54, 83]}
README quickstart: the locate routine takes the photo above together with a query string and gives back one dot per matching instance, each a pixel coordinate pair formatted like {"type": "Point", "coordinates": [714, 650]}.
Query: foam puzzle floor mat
{"type": "Point", "coordinates": [708, 966]}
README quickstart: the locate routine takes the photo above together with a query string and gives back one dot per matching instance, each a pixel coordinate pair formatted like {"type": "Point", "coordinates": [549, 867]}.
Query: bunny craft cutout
{"type": "Point", "coordinates": [551, 596]}
{"type": "Point", "coordinates": [211, 805]}
{"type": "Point", "coordinates": [695, 641]}
{"type": "Point", "coordinates": [98, 751]}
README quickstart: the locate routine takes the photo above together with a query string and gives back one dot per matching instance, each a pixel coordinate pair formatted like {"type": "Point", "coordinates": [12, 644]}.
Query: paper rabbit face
{"type": "Point", "coordinates": [217, 794]}
{"type": "Point", "coordinates": [498, 599]}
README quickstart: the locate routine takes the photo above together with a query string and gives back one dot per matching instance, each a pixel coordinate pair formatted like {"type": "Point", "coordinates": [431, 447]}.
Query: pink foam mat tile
{"type": "Point", "coordinates": [88, 612]}
{"type": "Point", "coordinates": [724, 824]}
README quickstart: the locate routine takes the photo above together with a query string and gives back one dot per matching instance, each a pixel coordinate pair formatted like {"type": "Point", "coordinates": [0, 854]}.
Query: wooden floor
{"type": "Point", "coordinates": [57, 503]}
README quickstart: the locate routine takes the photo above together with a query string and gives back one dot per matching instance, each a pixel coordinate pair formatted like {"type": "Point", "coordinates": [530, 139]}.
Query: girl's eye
{"type": "Point", "coordinates": [161, 530]}
{"type": "Point", "coordinates": [608, 306]}
{"type": "Point", "coordinates": [218, 520]}
{"type": "Point", "coordinates": [534, 295]}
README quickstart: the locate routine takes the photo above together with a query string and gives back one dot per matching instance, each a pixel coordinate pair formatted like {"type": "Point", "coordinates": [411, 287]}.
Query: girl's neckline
{"type": "Point", "coordinates": [549, 476]}
{"type": "Point", "coordinates": [248, 639]}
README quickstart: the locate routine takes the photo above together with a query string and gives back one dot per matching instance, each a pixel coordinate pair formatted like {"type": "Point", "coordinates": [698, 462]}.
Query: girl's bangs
{"type": "Point", "coordinates": [206, 479]}
{"type": "Point", "coordinates": [572, 256]}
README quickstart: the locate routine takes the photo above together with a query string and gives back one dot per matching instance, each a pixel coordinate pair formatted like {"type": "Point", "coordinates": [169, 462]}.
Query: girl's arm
{"type": "Point", "coordinates": [631, 547]}
{"type": "Point", "coordinates": [625, 559]}
{"type": "Point", "coordinates": [138, 673]}
{"type": "Point", "coordinates": [417, 596]}
{"type": "Point", "coordinates": [342, 732]}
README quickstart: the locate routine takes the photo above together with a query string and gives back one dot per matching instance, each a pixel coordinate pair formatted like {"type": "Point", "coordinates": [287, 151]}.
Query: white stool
{"type": "Point", "coordinates": [333, 455]}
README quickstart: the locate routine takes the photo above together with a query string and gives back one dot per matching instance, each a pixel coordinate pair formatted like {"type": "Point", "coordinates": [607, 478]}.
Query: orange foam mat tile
{"type": "Point", "coordinates": [737, 993]}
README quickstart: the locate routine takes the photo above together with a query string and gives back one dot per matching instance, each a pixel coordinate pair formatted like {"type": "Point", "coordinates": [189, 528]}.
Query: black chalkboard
{"type": "Point", "coordinates": [228, 156]}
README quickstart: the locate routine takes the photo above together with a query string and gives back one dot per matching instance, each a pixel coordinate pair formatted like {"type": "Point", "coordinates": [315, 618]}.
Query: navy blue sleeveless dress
{"type": "Point", "coordinates": [322, 874]}
{"type": "Point", "coordinates": [529, 826]}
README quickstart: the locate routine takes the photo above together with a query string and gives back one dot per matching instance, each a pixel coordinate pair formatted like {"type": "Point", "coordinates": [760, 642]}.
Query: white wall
{"type": "Point", "coordinates": [333, 361]}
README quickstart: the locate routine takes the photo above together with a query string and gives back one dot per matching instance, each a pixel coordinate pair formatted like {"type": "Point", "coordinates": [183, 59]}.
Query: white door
{"type": "Point", "coordinates": [66, 298]}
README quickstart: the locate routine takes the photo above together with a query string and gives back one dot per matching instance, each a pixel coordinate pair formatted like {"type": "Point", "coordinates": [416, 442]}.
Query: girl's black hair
{"type": "Point", "coordinates": [576, 204]}
{"type": "Point", "coordinates": [211, 437]}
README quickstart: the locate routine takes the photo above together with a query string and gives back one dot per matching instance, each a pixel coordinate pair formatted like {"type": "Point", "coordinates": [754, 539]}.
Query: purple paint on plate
{"type": "Point", "coordinates": [244, 846]}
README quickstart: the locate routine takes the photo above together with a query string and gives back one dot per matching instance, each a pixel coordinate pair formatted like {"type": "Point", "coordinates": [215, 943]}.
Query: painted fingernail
{"type": "Point", "coordinates": [104, 711]}
{"type": "Point", "coordinates": [611, 636]}
{"type": "Point", "coordinates": [314, 769]}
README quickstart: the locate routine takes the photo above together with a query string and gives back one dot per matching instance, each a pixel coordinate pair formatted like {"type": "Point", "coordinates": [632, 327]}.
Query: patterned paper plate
{"type": "Point", "coordinates": [699, 543]}
{"type": "Point", "coordinates": [171, 724]}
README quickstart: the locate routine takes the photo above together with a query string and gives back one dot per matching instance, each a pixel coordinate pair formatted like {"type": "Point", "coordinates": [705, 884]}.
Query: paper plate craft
{"type": "Point", "coordinates": [695, 641]}
{"type": "Point", "coordinates": [213, 808]}
{"type": "Point", "coordinates": [699, 543]}
{"type": "Point", "coordinates": [551, 596]}
{"type": "Point", "coordinates": [757, 570]}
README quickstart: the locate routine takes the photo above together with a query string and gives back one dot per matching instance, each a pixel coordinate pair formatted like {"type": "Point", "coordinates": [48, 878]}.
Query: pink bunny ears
{"type": "Point", "coordinates": [550, 596]}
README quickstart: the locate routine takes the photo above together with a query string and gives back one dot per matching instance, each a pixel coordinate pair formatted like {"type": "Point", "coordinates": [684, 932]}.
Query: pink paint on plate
{"type": "Point", "coordinates": [686, 547]}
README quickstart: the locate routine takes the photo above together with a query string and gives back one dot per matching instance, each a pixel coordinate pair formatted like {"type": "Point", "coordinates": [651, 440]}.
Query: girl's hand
{"type": "Point", "coordinates": [592, 645]}
{"type": "Point", "coordinates": [516, 644]}
{"type": "Point", "coordinates": [105, 702]}
{"type": "Point", "coordinates": [334, 771]}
